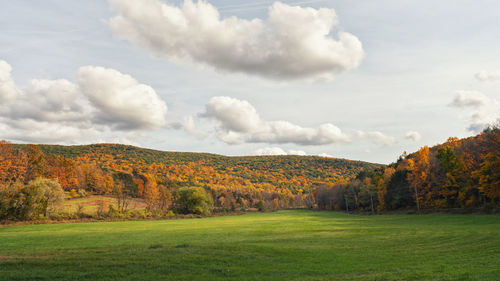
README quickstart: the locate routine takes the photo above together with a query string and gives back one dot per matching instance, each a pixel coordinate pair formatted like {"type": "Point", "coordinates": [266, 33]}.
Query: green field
{"type": "Point", "coordinates": [285, 245]}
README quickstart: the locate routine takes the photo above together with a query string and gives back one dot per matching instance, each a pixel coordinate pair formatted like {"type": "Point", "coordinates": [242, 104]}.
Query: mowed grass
{"type": "Point", "coordinates": [285, 245]}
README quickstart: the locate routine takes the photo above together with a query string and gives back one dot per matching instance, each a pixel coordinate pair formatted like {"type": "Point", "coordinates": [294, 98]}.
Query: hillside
{"type": "Point", "coordinates": [287, 165]}
{"type": "Point", "coordinates": [264, 182]}
{"type": "Point", "coordinates": [460, 173]}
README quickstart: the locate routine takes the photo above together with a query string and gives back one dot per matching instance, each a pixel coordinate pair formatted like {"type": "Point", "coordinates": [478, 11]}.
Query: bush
{"type": "Point", "coordinates": [193, 200]}
{"type": "Point", "coordinates": [260, 206]}
{"type": "Point", "coordinates": [23, 202]}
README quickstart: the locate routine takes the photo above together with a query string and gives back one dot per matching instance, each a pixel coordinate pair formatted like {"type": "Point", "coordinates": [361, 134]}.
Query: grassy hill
{"type": "Point", "coordinates": [284, 245]}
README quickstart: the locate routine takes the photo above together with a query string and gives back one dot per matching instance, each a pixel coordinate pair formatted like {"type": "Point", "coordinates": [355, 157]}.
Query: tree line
{"type": "Point", "coordinates": [460, 173]}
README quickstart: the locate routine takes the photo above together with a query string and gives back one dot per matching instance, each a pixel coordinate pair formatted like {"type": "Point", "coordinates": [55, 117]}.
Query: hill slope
{"type": "Point", "coordinates": [234, 182]}
{"type": "Point", "coordinates": [288, 165]}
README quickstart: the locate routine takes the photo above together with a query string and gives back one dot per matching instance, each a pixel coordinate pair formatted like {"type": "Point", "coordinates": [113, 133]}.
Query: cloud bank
{"type": "Point", "coordinates": [484, 111]}
{"type": "Point", "coordinates": [292, 43]}
{"type": "Point", "coordinates": [238, 122]}
{"type": "Point", "coordinates": [266, 151]}
{"type": "Point", "coordinates": [102, 101]}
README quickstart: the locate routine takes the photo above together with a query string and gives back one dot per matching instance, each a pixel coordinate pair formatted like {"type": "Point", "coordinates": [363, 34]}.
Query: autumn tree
{"type": "Point", "coordinates": [122, 196]}
{"type": "Point", "coordinates": [22, 202]}
{"type": "Point", "coordinates": [489, 177]}
{"type": "Point", "coordinates": [48, 193]}
{"type": "Point", "coordinates": [12, 163]}
{"type": "Point", "coordinates": [418, 173]}
{"type": "Point", "coordinates": [36, 163]}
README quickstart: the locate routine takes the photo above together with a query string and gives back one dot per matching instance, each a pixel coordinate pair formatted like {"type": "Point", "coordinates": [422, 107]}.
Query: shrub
{"type": "Point", "coordinates": [22, 202]}
{"type": "Point", "coordinates": [193, 200]}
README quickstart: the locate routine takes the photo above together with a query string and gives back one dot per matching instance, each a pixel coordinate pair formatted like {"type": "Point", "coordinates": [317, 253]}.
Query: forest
{"type": "Point", "coordinates": [34, 179]}
{"type": "Point", "coordinates": [161, 178]}
{"type": "Point", "coordinates": [460, 173]}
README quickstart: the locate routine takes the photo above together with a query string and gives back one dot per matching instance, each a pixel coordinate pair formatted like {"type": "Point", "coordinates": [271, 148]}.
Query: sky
{"type": "Point", "coordinates": [362, 80]}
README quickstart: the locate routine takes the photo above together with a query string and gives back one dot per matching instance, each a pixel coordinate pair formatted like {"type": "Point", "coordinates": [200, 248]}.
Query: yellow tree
{"type": "Point", "coordinates": [419, 171]}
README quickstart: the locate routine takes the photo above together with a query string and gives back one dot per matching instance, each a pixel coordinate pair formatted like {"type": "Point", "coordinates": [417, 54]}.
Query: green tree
{"type": "Point", "coordinates": [48, 193]}
{"type": "Point", "coordinates": [23, 202]}
{"type": "Point", "coordinates": [455, 175]}
{"type": "Point", "coordinates": [399, 194]}
{"type": "Point", "coordinates": [193, 200]}
{"type": "Point", "coordinates": [15, 202]}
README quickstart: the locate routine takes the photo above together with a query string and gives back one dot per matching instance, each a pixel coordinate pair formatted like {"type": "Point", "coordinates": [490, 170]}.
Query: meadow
{"type": "Point", "coordinates": [89, 205]}
{"type": "Point", "coordinates": [284, 245]}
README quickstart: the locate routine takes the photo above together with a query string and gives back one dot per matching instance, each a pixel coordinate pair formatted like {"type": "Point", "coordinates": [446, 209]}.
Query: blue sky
{"type": "Point", "coordinates": [425, 71]}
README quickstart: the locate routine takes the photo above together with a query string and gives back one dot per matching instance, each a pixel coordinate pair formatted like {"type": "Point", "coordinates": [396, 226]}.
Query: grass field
{"type": "Point", "coordinates": [91, 204]}
{"type": "Point", "coordinates": [285, 245]}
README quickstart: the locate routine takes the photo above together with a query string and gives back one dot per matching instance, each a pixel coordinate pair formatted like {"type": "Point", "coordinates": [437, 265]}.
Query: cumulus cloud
{"type": "Point", "coordinates": [292, 43]}
{"type": "Point", "coordinates": [8, 90]}
{"type": "Point", "coordinates": [50, 101]}
{"type": "Point", "coordinates": [377, 138]}
{"type": "Point", "coordinates": [121, 100]}
{"type": "Point", "coordinates": [485, 76]}
{"type": "Point", "coordinates": [484, 111]}
{"type": "Point", "coordinates": [59, 111]}
{"type": "Point", "coordinates": [413, 135]}
{"type": "Point", "coordinates": [239, 122]}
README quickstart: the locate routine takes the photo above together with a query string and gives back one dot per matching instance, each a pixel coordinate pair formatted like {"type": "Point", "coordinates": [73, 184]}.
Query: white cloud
{"type": "Point", "coordinates": [471, 99]}
{"type": "Point", "coordinates": [485, 76]}
{"type": "Point", "coordinates": [50, 101]}
{"type": "Point", "coordinates": [277, 151]}
{"type": "Point", "coordinates": [230, 137]}
{"type": "Point", "coordinates": [377, 138]}
{"type": "Point", "coordinates": [293, 43]}
{"type": "Point", "coordinates": [297, 152]}
{"type": "Point", "coordinates": [8, 90]}
{"type": "Point", "coordinates": [413, 135]}
{"type": "Point", "coordinates": [325, 155]}
{"type": "Point", "coordinates": [59, 111]}
{"type": "Point", "coordinates": [190, 127]}
{"type": "Point", "coordinates": [286, 132]}
{"type": "Point", "coordinates": [484, 111]}
{"type": "Point", "coordinates": [236, 115]}
{"type": "Point", "coordinates": [33, 131]}
{"type": "Point", "coordinates": [121, 100]}
{"type": "Point", "coordinates": [239, 122]}
{"type": "Point", "coordinates": [269, 151]}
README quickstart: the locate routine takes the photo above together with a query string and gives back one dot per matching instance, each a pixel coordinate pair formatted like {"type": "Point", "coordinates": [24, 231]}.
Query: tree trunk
{"type": "Point", "coordinates": [371, 199]}
{"type": "Point", "coordinates": [416, 198]}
